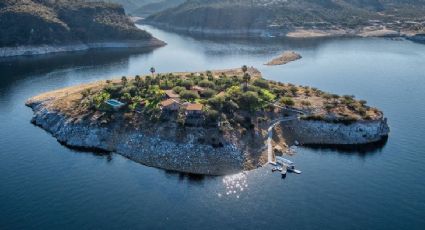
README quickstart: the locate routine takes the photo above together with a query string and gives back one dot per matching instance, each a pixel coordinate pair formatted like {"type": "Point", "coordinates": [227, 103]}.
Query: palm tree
{"type": "Point", "coordinates": [124, 80]}
{"type": "Point", "coordinates": [244, 69]}
{"type": "Point", "coordinates": [138, 80]}
{"type": "Point", "coordinates": [246, 78]}
{"type": "Point", "coordinates": [152, 70]}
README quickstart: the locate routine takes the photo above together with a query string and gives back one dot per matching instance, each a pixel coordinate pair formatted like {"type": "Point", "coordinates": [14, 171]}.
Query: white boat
{"type": "Point", "coordinates": [284, 161]}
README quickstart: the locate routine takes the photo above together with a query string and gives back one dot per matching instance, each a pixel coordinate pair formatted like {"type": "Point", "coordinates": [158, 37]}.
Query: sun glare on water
{"type": "Point", "coordinates": [234, 184]}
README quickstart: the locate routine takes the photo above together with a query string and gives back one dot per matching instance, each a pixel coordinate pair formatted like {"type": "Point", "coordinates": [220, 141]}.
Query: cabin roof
{"type": "Point", "coordinates": [221, 94]}
{"type": "Point", "coordinates": [168, 102]}
{"type": "Point", "coordinates": [194, 107]}
{"type": "Point", "coordinates": [198, 88]}
{"type": "Point", "coordinates": [171, 94]}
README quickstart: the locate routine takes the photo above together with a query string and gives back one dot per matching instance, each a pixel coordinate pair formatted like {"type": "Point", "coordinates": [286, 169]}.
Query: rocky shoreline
{"type": "Point", "coordinates": [325, 133]}
{"type": "Point", "coordinates": [47, 49]}
{"type": "Point", "coordinates": [300, 33]}
{"type": "Point", "coordinates": [183, 155]}
{"type": "Point", "coordinates": [180, 150]}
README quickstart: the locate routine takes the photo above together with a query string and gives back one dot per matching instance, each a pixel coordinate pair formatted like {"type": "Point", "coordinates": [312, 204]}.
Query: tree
{"type": "Point", "coordinates": [244, 69]}
{"type": "Point", "coordinates": [246, 79]}
{"type": "Point", "coordinates": [148, 81]}
{"type": "Point", "coordinates": [249, 101]}
{"type": "Point", "coordinates": [138, 81]}
{"type": "Point", "coordinates": [124, 80]}
{"type": "Point", "coordinates": [152, 70]}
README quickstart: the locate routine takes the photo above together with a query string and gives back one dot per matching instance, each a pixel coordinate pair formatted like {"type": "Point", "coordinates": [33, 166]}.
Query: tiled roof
{"type": "Point", "coordinates": [171, 94]}
{"type": "Point", "coordinates": [194, 107]}
{"type": "Point", "coordinates": [221, 94]}
{"type": "Point", "coordinates": [168, 102]}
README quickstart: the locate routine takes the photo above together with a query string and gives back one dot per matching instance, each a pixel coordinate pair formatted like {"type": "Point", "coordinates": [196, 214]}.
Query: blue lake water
{"type": "Point", "coordinates": [44, 185]}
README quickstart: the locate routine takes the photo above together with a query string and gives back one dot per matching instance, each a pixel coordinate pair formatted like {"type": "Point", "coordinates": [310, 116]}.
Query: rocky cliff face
{"type": "Point", "coordinates": [320, 132]}
{"type": "Point", "coordinates": [173, 151]}
{"type": "Point", "coordinates": [64, 22]}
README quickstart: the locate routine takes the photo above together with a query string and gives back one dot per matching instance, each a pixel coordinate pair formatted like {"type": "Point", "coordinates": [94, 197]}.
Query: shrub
{"type": "Point", "coordinates": [206, 84]}
{"type": "Point", "coordinates": [305, 103]}
{"type": "Point", "coordinates": [178, 89]}
{"type": "Point", "coordinates": [230, 106]}
{"type": "Point", "coordinates": [216, 102]}
{"type": "Point", "coordinates": [293, 90]}
{"type": "Point", "coordinates": [100, 98]}
{"type": "Point", "coordinates": [187, 84]}
{"type": "Point", "coordinates": [212, 115]}
{"type": "Point", "coordinates": [261, 83]}
{"type": "Point", "coordinates": [189, 95]}
{"type": "Point", "coordinates": [85, 93]}
{"type": "Point", "coordinates": [208, 93]}
{"type": "Point", "coordinates": [287, 101]}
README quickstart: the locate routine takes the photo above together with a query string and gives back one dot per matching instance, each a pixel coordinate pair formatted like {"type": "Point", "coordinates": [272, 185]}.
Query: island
{"type": "Point", "coordinates": [213, 122]}
{"type": "Point", "coordinates": [33, 27]}
{"type": "Point", "coordinates": [284, 58]}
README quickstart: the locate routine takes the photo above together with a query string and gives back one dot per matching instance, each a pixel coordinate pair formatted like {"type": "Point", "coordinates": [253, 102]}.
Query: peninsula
{"type": "Point", "coordinates": [31, 27]}
{"type": "Point", "coordinates": [212, 122]}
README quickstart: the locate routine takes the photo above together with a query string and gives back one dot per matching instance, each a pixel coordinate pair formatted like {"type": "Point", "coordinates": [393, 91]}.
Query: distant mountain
{"type": "Point", "coordinates": [289, 15]}
{"type": "Point", "coordinates": [129, 5]}
{"type": "Point", "coordinates": [145, 7]}
{"type": "Point", "coordinates": [57, 22]}
{"type": "Point", "coordinates": [155, 7]}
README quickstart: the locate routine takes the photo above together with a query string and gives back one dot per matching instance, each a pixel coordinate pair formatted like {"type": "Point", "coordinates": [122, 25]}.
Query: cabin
{"type": "Point", "coordinates": [221, 94]}
{"type": "Point", "coordinates": [115, 104]}
{"type": "Point", "coordinates": [198, 89]}
{"type": "Point", "coordinates": [170, 105]}
{"type": "Point", "coordinates": [170, 94]}
{"type": "Point", "coordinates": [194, 109]}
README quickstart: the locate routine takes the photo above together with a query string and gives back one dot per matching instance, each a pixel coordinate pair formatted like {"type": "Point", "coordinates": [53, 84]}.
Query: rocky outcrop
{"type": "Point", "coordinates": [184, 154]}
{"type": "Point", "coordinates": [327, 133]}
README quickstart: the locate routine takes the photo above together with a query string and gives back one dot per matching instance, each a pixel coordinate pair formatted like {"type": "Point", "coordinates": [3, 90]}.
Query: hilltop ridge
{"type": "Point", "coordinates": [281, 17]}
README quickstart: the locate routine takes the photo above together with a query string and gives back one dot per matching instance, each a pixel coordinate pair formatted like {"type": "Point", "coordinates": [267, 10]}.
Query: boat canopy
{"type": "Point", "coordinates": [284, 160]}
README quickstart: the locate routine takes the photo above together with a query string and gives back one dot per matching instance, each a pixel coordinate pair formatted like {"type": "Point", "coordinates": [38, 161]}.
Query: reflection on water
{"type": "Point", "coordinates": [362, 149]}
{"type": "Point", "coordinates": [234, 184]}
{"type": "Point", "coordinates": [189, 177]}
